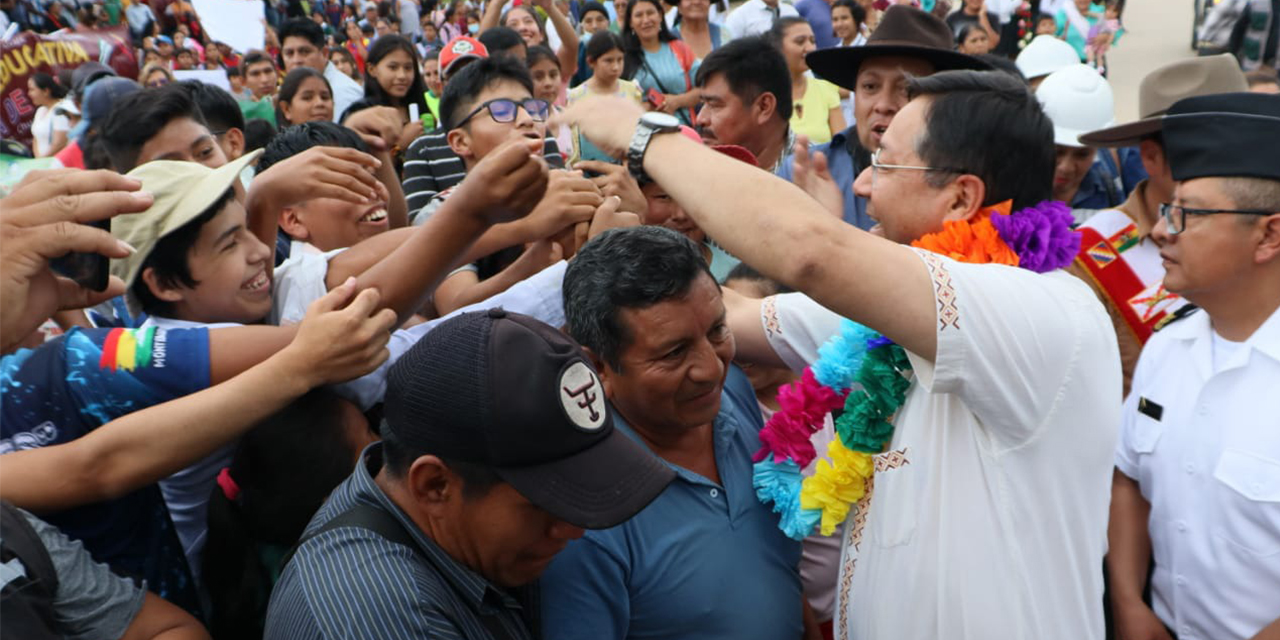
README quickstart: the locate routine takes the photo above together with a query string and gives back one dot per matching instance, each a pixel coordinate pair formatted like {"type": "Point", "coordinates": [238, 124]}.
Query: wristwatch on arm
{"type": "Point", "coordinates": [650, 124]}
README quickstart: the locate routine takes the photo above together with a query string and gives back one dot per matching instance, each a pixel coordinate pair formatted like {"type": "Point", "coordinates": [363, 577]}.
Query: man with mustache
{"type": "Point", "coordinates": [908, 41]}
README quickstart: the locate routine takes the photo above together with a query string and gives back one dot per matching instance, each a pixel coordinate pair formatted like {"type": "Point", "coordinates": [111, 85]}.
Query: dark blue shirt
{"type": "Point", "coordinates": [845, 160]}
{"type": "Point", "coordinates": [70, 386]}
{"type": "Point", "coordinates": [1131, 170]}
{"type": "Point", "coordinates": [1100, 189]}
{"type": "Point", "coordinates": [818, 13]}
{"type": "Point", "coordinates": [703, 560]}
{"type": "Point", "coordinates": [1108, 185]}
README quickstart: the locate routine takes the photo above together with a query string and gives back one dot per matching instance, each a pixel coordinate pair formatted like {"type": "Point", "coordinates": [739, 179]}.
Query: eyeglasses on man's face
{"type": "Point", "coordinates": [1175, 216]}
{"type": "Point", "coordinates": [877, 166]}
{"type": "Point", "coordinates": [504, 110]}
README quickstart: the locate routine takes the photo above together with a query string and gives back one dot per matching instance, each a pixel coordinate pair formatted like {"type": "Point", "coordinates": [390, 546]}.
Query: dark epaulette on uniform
{"type": "Point", "coordinates": [1181, 313]}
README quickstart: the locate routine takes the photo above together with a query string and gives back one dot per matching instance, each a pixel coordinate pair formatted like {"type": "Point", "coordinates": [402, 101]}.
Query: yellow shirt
{"type": "Point", "coordinates": [811, 114]}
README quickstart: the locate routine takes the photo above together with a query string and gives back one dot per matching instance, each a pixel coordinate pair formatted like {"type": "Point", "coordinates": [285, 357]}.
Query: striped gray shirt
{"type": "Point", "coordinates": [350, 582]}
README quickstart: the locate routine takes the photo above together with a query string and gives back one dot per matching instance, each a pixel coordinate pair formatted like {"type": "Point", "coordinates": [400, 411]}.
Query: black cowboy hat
{"type": "Point", "coordinates": [904, 31]}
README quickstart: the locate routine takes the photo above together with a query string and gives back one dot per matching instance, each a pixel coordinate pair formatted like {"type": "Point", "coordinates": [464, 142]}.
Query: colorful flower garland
{"type": "Point", "coordinates": [865, 377]}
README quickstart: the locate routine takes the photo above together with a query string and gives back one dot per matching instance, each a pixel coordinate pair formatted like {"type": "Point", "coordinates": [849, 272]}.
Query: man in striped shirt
{"type": "Point", "coordinates": [431, 166]}
{"type": "Point", "coordinates": [484, 474]}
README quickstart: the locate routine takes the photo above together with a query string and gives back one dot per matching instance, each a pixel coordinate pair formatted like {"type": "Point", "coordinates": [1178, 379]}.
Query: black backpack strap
{"type": "Point", "coordinates": [383, 523]}
{"type": "Point", "coordinates": [363, 516]}
{"type": "Point", "coordinates": [31, 580]}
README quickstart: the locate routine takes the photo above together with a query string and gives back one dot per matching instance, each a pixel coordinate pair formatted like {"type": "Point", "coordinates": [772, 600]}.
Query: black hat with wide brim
{"type": "Point", "coordinates": [903, 32]}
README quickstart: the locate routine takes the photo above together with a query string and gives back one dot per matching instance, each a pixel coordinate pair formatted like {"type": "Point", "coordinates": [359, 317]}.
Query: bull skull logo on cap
{"type": "Point", "coordinates": [582, 396]}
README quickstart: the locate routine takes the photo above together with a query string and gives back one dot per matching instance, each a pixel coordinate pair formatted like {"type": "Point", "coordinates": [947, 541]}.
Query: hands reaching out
{"type": "Point", "coordinates": [812, 175]}
{"type": "Point", "coordinates": [508, 183]}
{"type": "Point", "coordinates": [343, 336]}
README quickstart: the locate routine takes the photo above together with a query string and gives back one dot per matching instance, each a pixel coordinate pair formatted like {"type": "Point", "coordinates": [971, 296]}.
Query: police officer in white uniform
{"type": "Point", "coordinates": [1197, 480]}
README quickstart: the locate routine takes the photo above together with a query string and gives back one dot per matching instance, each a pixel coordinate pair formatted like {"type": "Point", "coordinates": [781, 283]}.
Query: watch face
{"type": "Point", "coordinates": [661, 120]}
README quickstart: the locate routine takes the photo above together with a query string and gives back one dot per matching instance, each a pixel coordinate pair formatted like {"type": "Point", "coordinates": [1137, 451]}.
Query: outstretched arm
{"type": "Point", "coordinates": [807, 249]}
{"type": "Point", "coordinates": [492, 14]}
{"type": "Point", "coordinates": [341, 339]}
{"type": "Point", "coordinates": [507, 184]}
{"type": "Point", "coordinates": [568, 53]}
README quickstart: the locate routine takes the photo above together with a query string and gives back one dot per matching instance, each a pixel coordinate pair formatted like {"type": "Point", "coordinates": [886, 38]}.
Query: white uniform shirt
{"type": "Point", "coordinates": [754, 17]}
{"type": "Point", "coordinates": [1205, 449]}
{"type": "Point", "coordinates": [989, 509]}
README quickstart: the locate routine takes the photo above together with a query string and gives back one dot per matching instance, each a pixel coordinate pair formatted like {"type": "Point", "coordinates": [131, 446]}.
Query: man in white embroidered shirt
{"type": "Point", "coordinates": [988, 513]}
{"type": "Point", "coordinates": [1197, 481]}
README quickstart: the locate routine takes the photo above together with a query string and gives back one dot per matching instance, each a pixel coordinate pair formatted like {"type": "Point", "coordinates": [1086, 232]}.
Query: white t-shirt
{"type": "Point", "coordinates": [44, 126]}
{"type": "Point", "coordinates": [298, 282]}
{"type": "Point", "coordinates": [989, 510]}
{"type": "Point", "coordinates": [1201, 437]}
{"type": "Point", "coordinates": [345, 90]}
{"type": "Point", "coordinates": [754, 17]}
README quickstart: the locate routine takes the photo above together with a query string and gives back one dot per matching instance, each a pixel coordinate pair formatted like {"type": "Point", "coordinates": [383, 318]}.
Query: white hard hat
{"type": "Point", "coordinates": [1044, 55]}
{"type": "Point", "coordinates": [1078, 100]}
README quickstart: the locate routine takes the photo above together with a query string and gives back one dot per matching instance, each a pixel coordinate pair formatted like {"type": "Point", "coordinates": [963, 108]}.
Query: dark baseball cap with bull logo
{"type": "Point", "coordinates": [510, 393]}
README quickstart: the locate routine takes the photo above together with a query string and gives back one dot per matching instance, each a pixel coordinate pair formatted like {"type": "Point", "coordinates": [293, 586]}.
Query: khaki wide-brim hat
{"type": "Point", "coordinates": [1161, 88]}
{"type": "Point", "coordinates": [182, 190]}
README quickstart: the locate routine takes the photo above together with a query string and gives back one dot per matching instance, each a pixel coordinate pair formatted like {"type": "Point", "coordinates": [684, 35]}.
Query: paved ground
{"type": "Point", "coordinates": [1159, 31]}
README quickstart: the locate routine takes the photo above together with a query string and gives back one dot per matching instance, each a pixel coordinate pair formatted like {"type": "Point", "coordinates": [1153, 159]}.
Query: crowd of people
{"type": "Point", "coordinates": [638, 319]}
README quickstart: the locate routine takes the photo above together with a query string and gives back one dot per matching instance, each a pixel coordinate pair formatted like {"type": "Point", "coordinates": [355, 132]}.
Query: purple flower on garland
{"type": "Point", "coordinates": [877, 342]}
{"type": "Point", "coordinates": [1040, 235]}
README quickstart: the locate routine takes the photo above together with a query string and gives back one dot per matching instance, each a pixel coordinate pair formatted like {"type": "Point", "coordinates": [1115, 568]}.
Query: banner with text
{"type": "Point", "coordinates": [29, 53]}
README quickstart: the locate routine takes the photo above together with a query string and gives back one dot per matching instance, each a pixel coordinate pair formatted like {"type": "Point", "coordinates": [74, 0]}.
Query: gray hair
{"type": "Point", "coordinates": [631, 268]}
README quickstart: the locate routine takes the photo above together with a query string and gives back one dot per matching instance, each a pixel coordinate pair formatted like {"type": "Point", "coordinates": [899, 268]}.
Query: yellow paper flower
{"type": "Point", "coordinates": [837, 484]}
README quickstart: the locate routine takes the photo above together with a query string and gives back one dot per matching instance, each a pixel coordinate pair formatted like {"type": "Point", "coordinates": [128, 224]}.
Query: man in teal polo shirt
{"type": "Point", "coordinates": [705, 559]}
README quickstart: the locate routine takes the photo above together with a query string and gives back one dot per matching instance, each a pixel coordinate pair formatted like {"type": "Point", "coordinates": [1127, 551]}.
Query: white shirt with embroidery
{"type": "Point", "coordinates": [1201, 435]}
{"type": "Point", "coordinates": [988, 510]}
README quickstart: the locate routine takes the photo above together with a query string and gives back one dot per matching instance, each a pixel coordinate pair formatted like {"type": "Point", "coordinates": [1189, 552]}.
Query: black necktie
{"type": "Point", "coordinates": [776, 11]}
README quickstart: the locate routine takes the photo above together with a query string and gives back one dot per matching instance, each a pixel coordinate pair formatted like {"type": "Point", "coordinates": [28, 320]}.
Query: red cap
{"type": "Point", "coordinates": [740, 153]}
{"type": "Point", "coordinates": [461, 48]}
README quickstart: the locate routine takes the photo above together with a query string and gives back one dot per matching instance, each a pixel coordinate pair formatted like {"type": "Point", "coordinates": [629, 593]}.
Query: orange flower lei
{"type": "Point", "coordinates": [974, 241]}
